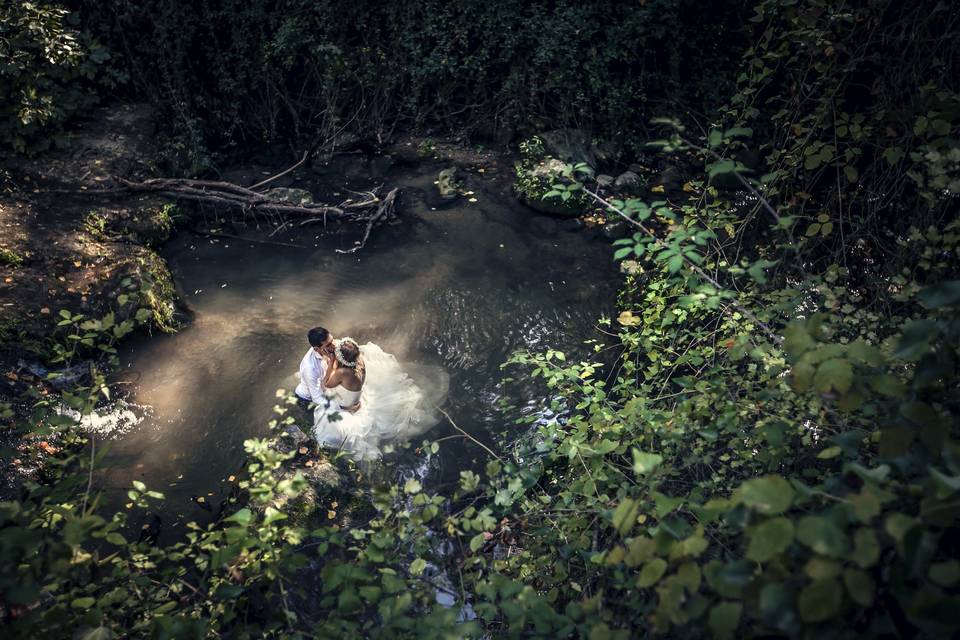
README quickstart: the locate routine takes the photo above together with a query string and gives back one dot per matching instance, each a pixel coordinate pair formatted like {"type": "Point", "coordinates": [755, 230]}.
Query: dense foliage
{"type": "Point", "coordinates": [49, 69]}
{"type": "Point", "coordinates": [766, 443]}
{"type": "Point", "coordinates": [301, 70]}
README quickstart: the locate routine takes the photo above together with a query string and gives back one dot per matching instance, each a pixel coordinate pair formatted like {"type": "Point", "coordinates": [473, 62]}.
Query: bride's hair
{"type": "Point", "coordinates": [350, 351]}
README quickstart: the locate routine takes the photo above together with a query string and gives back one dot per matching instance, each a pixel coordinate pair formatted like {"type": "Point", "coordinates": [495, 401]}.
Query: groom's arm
{"type": "Point", "coordinates": [313, 377]}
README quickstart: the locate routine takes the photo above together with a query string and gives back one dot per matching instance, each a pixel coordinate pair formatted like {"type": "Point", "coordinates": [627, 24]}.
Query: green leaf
{"type": "Point", "coordinates": [797, 340]}
{"type": "Point", "coordinates": [100, 633]}
{"type": "Point", "coordinates": [820, 601]}
{"type": "Point", "coordinates": [83, 603]}
{"type": "Point", "coordinates": [769, 538]}
{"type": "Point", "coordinates": [821, 535]}
{"type": "Point", "coordinates": [888, 385]}
{"type": "Point", "coordinates": [664, 504]}
{"type": "Point", "coordinates": [866, 549]}
{"type": "Point", "coordinates": [777, 607]}
{"type": "Point", "coordinates": [243, 516]}
{"type": "Point", "coordinates": [651, 573]}
{"type": "Point", "coordinates": [829, 452]}
{"type": "Point", "coordinates": [769, 495]}
{"type": "Point", "coordinates": [864, 353]}
{"type": "Point", "coordinates": [272, 515]}
{"type": "Point", "coordinates": [116, 538]}
{"type": "Point", "coordinates": [942, 294]}
{"type": "Point", "coordinates": [866, 505]}
{"type": "Point", "coordinates": [721, 167]}
{"type": "Point", "coordinates": [877, 475]}
{"type": "Point", "coordinates": [915, 339]}
{"type": "Point", "coordinates": [802, 376]}
{"type": "Point", "coordinates": [166, 607]}
{"type": "Point", "coordinates": [820, 568]}
{"type": "Point", "coordinates": [625, 515]}
{"type": "Point", "coordinates": [412, 486]}
{"type": "Point", "coordinates": [945, 574]}
{"type": "Point", "coordinates": [476, 542]}
{"type": "Point", "coordinates": [859, 586]}
{"type": "Point", "coordinates": [620, 254]}
{"type": "Point", "coordinates": [738, 132]}
{"type": "Point", "coordinates": [893, 155]}
{"type": "Point", "coordinates": [836, 374]}
{"type": "Point", "coordinates": [644, 463]}
{"type": "Point", "coordinates": [469, 481]}
{"type": "Point", "coordinates": [725, 618]}
{"type": "Point", "coordinates": [417, 566]}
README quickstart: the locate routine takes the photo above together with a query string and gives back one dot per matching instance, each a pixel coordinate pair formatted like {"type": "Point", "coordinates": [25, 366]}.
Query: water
{"type": "Point", "coordinates": [458, 288]}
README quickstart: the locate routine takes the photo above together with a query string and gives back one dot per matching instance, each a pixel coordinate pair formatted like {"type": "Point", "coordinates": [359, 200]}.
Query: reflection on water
{"type": "Point", "coordinates": [460, 288]}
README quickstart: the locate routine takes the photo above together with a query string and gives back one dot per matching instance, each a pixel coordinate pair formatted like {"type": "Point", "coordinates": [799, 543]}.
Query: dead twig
{"type": "Point", "coordinates": [385, 209]}
{"type": "Point", "coordinates": [303, 159]}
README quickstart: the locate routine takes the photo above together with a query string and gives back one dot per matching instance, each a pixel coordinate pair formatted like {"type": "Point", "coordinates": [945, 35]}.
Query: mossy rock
{"type": "Point", "coordinates": [151, 225]}
{"type": "Point", "coordinates": [535, 180]}
{"type": "Point", "coordinates": [449, 183]}
{"type": "Point", "coordinates": [142, 280]}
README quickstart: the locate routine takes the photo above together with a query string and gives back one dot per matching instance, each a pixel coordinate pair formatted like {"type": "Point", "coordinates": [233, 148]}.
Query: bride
{"type": "Point", "coordinates": [371, 400]}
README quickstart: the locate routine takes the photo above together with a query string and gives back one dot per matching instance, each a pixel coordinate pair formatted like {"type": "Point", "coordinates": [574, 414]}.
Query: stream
{"type": "Point", "coordinates": [456, 286]}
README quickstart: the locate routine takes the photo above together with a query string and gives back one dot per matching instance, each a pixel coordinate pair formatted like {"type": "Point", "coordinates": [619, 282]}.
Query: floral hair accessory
{"type": "Point", "coordinates": [339, 354]}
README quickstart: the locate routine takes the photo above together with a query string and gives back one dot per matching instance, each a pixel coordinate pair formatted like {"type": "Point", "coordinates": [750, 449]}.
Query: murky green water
{"type": "Point", "coordinates": [459, 287]}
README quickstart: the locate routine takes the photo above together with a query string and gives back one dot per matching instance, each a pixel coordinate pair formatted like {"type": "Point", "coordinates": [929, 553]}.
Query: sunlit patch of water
{"type": "Point", "coordinates": [110, 421]}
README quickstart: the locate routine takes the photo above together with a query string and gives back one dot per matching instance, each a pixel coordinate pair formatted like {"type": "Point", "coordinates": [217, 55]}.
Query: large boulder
{"type": "Point", "coordinates": [533, 183]}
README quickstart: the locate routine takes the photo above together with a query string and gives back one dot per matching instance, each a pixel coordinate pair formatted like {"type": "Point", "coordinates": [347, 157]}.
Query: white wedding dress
{"type": "Point", "coordinates": [392, 407]}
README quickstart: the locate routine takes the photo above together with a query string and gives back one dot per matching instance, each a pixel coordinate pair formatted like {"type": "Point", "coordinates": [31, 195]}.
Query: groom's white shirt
{"type": "Point", "coordinates": [313, 370]}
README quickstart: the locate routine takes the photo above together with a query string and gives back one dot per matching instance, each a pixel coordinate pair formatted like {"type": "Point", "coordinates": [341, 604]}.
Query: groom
{"type": "Point", "coordinates": [313, 369]}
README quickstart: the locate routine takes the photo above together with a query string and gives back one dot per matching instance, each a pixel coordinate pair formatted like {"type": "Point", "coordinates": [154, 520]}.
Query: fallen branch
{"type": "Point", "coordinates": [371, 210]}
{"type": "Point", "coordinates": [467, 435]}
{"type": "Point", "coordinates": [385, 209]}
{"type": "Point", "coordinates": [227, 194]}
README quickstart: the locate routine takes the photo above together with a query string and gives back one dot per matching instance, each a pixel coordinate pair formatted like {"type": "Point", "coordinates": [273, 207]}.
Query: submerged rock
{"type": "Point", "coordinates": [628, 181]}
{"type": "Point", "coordinates": [616, 229]}
{"type": "Point", "coordinates": [604, 180]}
{"type": "Point", "coordinates": [448, 183]}
{"type": "Point", "coordinates": [292, 438]}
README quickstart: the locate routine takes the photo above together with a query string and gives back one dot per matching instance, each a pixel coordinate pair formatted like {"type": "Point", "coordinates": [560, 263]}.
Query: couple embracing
{"type": "Point", "coordinates": [357, 396]}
